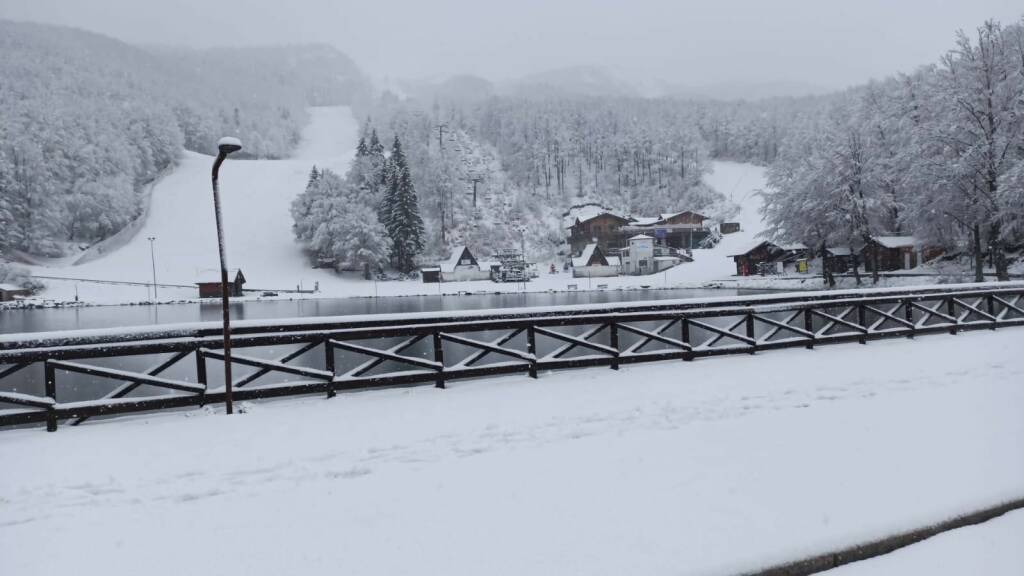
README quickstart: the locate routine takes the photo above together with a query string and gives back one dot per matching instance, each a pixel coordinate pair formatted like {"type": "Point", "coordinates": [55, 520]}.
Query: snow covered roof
{"type": "Point", "coordinates": [488, 264]}
{"type": "Point", "coordinates": [585, 213]}
{"type": "Point", "coordinates": [795, 246]}
{"type": "Point", "coordinates": [645, 220]}
{"type": "Point", "coordinates": [641, 237]}
{"type": "Point", "coordinates": [453, 260]}
{"type": "Point", "coordinates": [840, 251]}
{"type": "Point", "coordinates": [211, 276]}
{"type": "Point", "coordinates": [584, 258]}
{"type": "Point", "coordinates": [748, 248]}
{"type": "Point", "coordinates": [667, 258]}
{"type": "Point", "coordinates": [896, 241]}
{"type": "Point", "coordinates": [613, 260]}
{"type": "Point", "coordinates": [10, 287]}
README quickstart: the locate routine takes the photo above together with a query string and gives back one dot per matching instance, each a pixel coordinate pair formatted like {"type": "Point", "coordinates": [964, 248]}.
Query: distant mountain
{"type": "Point", "coordinates": [458, 90]}
{"type": "Point", "coordinates": [745, 90]}
{"type": "Point", "coordinates": [571, 81]}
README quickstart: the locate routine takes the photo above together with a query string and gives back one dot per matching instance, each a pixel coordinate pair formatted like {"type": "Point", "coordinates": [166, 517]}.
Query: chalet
{"type": "Point", "coordinates": [596, 226]}
{"type": "Point", "coordinates": [9, 292]}
{"type": "Point", "coordinates": [462, 266]}
{"type": "Point", "coordinates": [674, 230]}
{"type": "Point", "coordinates": [839, 259]}
{"type": "Point", "coordinates": [896, 253]}
{"type": "Point", "coordinates": [592, 263]}
{"type": "Point", "coordinates": [209, 284]}
{"type": "Point", "coordinates": [788, 259]}
{"type": "Point", "coordinates": [753, 259]}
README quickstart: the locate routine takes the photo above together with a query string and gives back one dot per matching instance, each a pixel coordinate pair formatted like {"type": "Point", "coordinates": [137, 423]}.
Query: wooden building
{"type": "Point", "coordinates": [752, 261]}
{"type": "Point", "coordinates": [209, 284]}
{"type": "Point", "coordinates": [896, 253]}
{"type": "Point", "coordinates": [463, 266]}
{"type": "Point", "coordinates": [674, 230]}
{"type": "Point", "coordinates": [602, 228]}
{"type": "Point", "coordinates": [9, 292]}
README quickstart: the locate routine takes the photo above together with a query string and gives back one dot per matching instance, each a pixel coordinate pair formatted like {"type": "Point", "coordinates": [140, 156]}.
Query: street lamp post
{"type": "Point", "coordinates": [152, 261]}
{"type": "Point", "coordinates": [225, 146]}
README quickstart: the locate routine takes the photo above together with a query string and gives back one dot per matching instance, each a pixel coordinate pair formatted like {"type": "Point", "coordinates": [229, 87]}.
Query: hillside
{"type": "Point", "coordinates": [86, 122]}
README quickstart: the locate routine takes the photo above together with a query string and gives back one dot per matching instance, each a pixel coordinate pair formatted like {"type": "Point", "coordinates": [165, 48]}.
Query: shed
{"type": "Point", "coordinates": [751, 260]}
{"type": "Point", "coordinates": [209, 283]}
{"type": "Point", "coordinates": [431, 275]}
{"type": "Point", "coordinates": [9, 292]}
{"type": "Point", "coordinates": [893, 252]}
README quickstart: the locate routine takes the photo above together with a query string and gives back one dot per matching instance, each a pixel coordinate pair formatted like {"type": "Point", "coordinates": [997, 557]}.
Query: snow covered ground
{"type": "Point", "coordinates": [995, 548]}
{"type": "Point", "coordinates": [710, 467]}
{"type": "Point", "coordinates": [257, 195]}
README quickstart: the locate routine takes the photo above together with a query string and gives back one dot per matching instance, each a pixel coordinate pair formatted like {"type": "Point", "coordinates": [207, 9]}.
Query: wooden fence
{"type": "Point", "coordinates": [324, 356]}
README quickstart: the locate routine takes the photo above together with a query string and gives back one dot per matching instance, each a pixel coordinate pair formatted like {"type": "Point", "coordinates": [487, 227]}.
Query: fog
{"type": "Point", "coordinates": [810, 43]}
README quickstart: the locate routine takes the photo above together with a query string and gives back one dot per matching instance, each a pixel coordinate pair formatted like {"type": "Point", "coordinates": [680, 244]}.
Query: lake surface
{"type": "Point", "coordinates": [49, 319]}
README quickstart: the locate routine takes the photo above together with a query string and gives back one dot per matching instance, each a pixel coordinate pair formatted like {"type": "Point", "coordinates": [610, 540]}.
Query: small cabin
{"type": "Point", "coordinates": [895, 253]}
{"type": "Point", "coordinates": [839, 260]}
{"type": "Point", "coordinates": [209, 284]}
{"type": "Point", "coordinates": [463, 266]}
{"type": "Point", "coordinates": [729, 227]}
{"type": "Point", "coordinates": [9, 292]}
{"type": "Point", "coordinates": [592, 263]}
{"type": "Point", "coordinates": [753, 260]}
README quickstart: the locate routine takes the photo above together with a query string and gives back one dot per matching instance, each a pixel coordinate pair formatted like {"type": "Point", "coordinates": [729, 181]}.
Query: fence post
{"type": "Point", "coordinates": [951, 311]}
{"type": "Point", "coordinates": [809, 326]}
{"type": "Point", "coordinates": [531, 348]}
{"type": "Point", "coordinates": [329, 365]}
{"type": "Point", "coordinates": [439, 358]}
{"type": "Point", "coordinates": [908, 313]}
{"type": "Point", "coordinates": [51, 391]}
{"type": "Point", "coordinates": [684, 327]}
{"type": "Point", "coordinates": [990, 303]}
{"type": "Point", "coordinates": [750, 331]}
{"type": "Point", "coordinates": [201, 374]}
{"type": "Point", "coordinates": [613, 341]}
{"type": "Point", "coordinates": [862, 319]}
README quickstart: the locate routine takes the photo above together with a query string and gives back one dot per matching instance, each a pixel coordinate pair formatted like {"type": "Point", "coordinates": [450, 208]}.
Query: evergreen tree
{"type": "Point", "coordinates": [401, 212]}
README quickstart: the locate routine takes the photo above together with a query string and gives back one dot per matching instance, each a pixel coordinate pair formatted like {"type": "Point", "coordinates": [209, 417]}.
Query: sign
{"type": "Point", "coordinates": [660, 233]}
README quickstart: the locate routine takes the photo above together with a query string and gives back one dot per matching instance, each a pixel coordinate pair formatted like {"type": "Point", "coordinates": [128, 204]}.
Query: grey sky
{"type": "Point", "coordinates": [818, 42]}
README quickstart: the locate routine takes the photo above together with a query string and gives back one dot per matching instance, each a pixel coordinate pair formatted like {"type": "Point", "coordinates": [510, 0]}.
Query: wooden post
{"type": "Point", "coordinates": [951, 312]}
{"type": "Point", "coordinates": [750, 331]}
{"type": "Point", "coordinates": [809, 326]}
{"type": "Point", "coordinates": [201, 373]}
{"type": "Point", "coordinates": [51, 391]}
{"type": "Point", "coordinates": [329, 364]}
{"type": "Point", "coordinates": [684, 327]}
{"type": "Point", "coordinates": [531, 348]}
{"type": "Point", "coordinates": [439, 358]}
{"type": "Point", "coordinates": [990, 304]}
{"type": "Point", "coordinates": [613, 341]}
{"type": "Point", "coordinates": [862, 319]}
{"type": "Point", "coordinates": [908, 312]}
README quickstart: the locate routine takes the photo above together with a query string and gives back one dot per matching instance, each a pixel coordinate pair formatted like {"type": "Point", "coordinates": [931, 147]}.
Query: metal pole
{"type": "Point", "coordinates": [152, 260]}
{"type": "Point", "coordinates": [228, 404]}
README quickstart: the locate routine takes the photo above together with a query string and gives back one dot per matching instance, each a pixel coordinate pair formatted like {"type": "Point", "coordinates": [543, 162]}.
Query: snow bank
{"type": "Point", "coordinates": [710, 467]}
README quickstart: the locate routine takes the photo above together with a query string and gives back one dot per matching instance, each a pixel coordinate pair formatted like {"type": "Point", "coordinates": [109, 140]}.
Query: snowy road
{"type": "Point", "coordinates": [709, 467]}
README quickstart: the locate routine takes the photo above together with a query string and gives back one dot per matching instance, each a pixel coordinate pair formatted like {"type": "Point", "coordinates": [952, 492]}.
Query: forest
{"type": "Point", "coordinates": [87, 122]}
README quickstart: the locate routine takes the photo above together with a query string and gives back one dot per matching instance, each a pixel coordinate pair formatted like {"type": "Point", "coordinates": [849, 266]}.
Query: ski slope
{"type": "Point", "coordinates": [711, 467]}
{"type": "Point", "coordinates": [257, 194]}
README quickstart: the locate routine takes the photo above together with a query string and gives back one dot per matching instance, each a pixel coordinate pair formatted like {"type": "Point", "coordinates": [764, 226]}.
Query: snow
{"type": "Point", "coordinates": [10, 287]}
{"type": "Point", "coordinates": [229, 141]}
{"type": "Point", "coordinates": [453, 260]}
{"type": "Point", "coordinates": [993, 549]}
{"type": "Point", "coordinates": [716, 466]}
{"type": "Point", "coordinates": [584, 258]}
{"type": "Point", "coordinates": [896, 241]}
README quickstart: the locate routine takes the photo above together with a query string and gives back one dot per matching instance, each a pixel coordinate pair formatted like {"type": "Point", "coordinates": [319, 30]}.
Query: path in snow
{"type": "Point", "coordinates": [708, 467]}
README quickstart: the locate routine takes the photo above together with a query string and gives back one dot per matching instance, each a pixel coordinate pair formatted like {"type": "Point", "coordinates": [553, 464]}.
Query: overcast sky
{"type": "Point", "coordinates": [816, 42]}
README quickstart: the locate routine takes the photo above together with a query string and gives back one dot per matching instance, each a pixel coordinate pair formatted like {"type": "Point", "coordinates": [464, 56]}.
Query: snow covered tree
{"type": "Point", "coordinates": [401, 212]}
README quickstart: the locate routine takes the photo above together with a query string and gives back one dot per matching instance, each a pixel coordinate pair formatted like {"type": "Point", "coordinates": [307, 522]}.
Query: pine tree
{"type": "Point", "coordinates": [401, 213]}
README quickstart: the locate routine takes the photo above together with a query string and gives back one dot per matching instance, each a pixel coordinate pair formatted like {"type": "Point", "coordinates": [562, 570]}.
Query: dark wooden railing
{"type": "Point", "coordinates": [324, 356]}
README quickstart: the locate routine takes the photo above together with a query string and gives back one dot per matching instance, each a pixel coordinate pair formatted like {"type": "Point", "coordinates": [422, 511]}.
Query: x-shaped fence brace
{"type": "Point", "coordinates": [685, 335]}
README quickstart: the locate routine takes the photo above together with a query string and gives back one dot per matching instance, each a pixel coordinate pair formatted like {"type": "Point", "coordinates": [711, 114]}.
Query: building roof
{"type": "Point", "coordinates": [613, 260]}
{"type": "Point", "coordinates": [213, 276]}
{"type": "Point", "coordinates": [588, 253]}
{"type": "Point", "coordinates": [453, 260]}
{"type": "Point", "coordinates": [839, 251]}
{"type": "Point", "coordinates": [672, 214]}
{"type": "Point", "coordinates": [794, 246]}
{"type": "Point", "coordinates": [587, 213]}
{"type": "Point", "coordinates": [896, 241]}
{"type": "Point", "coordinates": [750, 248]}
{"type": "Point", "coordinates": [642, 237]}
{"type": "Point", "coordinates": [10, 287]}
{"type": "Point", "coordinates": [645, 220]}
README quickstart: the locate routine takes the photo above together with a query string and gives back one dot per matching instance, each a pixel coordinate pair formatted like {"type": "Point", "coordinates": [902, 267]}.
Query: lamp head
{"type": "Point", "coordinates": [229, 144]}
